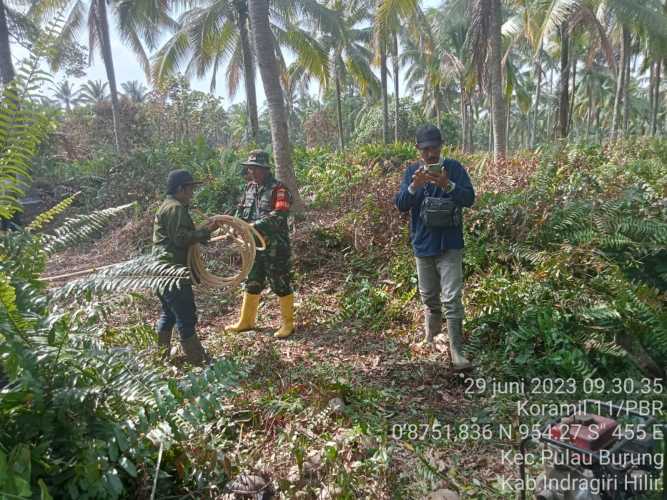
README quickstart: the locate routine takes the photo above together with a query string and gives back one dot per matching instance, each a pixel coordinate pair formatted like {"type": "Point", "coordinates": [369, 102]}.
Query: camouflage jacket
{"type": "Point", "coordinates": [174, 231]}
{"type": "Point", "coordinates": [266, 206]}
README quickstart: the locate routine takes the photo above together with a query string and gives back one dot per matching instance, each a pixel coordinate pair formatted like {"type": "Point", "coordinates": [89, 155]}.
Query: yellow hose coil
{"type": "Point", "coordinates": [244, 234]}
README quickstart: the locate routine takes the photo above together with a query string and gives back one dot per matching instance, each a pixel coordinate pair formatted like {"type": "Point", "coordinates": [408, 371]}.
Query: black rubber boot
{"type": "Point", "coordinates": [164, 343]}
{"type": "Point", "coordinates": [194, 352]}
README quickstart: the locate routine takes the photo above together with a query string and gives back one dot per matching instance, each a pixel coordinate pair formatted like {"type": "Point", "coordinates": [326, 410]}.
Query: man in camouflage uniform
{"type": "Point", "coordinates": [265, 204]}
{"type": "Point", "coordinates": [173, 233]}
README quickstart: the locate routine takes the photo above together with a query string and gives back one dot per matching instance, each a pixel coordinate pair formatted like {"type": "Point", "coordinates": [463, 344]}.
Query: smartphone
{"type": "Point", "coordinates": [434, 168]}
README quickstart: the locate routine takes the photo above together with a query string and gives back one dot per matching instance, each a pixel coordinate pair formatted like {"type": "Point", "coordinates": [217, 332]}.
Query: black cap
{"type": "Point", "coordinates": [428, 136]}
{"type": "Point", "coordinates": [178, 178]}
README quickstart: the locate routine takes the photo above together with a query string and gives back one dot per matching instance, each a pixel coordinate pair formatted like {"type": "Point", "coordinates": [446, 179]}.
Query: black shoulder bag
{"type": "Point", "coordinates": [440, 212]}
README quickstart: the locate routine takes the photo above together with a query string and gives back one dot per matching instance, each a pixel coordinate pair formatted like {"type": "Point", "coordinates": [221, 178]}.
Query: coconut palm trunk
{"type": "Point", "coordinates": [626, 98]}
{"type": "Point", "coordinates": [270, 72]}
{"type": "Point", "coordinates": [464, 121]}
{"type": "Point", "coordinates": [589, 114]}
{"type": "Point", "coordinates": [656, 99]}
{"type": "Point", "coordinates": [397, 103]}
{"type": "Point", "coordinates": [436, 96]}
{"type": "Point", "coordinates": [102, 25]}
{"type": "Point", "coordinates": [7, 73]}
{"type": "Point", "coordinates": [620, 83]}
{"type": "Point", "coordinates": [248, 70]}
{"type": "Point", "coordinates": [563, 100]}
{"type": "Point", "coordinates": [574, 88]}
{"type": "Point", "coordinates": [538, 93]}
{"type": "Point", "coordinates": [385, 97]}
{"type": "Point", "coordinates": [339, 115]}
{"type": "Point", "coordinates": [498, 102]}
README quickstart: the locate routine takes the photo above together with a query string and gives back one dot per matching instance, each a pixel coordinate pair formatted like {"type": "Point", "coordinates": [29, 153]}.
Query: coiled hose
{"type": "Point", "coordinates": [244, 235]}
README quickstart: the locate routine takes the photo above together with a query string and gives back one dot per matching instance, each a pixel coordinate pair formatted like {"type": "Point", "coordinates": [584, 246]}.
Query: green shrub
{"type": "Point", "coordinates": [566, 275]}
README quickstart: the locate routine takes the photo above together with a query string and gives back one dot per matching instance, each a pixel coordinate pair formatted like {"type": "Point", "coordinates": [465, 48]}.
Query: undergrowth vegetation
{"type": "Point", "coordinates": [565, 257]}
{"type": "Point", "coordinates": [566, 276]}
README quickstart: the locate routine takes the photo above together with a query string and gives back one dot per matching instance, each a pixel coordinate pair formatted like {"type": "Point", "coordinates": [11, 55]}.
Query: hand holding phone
{"type": "Point", "coordinates": [434, 168]}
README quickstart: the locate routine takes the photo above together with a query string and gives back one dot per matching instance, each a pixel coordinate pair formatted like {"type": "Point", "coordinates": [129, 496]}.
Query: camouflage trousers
{"type": "Point", "coordinates": [272, 265]}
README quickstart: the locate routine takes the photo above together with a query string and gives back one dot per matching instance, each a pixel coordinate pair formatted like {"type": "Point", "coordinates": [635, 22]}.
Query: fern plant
{"type": "Point", "coordinates": [570, 271]}
{"type": "Point", "coordinates": [81, 419]}
{"type": "Point", "coordinates": [23, 126]}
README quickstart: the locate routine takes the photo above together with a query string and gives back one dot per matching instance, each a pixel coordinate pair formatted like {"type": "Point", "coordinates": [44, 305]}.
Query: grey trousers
{"type": "Point", "coordinates": [441, 287]}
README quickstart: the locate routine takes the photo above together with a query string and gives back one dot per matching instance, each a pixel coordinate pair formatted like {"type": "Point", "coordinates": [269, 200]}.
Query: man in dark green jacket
{"type": "Point", "coordinates": [173, 233]}
{"type": "Point", "coordinates": [265, 204]}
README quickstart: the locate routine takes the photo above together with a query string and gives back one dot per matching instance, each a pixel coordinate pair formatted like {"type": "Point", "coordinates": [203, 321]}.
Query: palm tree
{"type": "Point", "coordinates": [388, 18]}
{"type": "Point", "coordinates": [136, 20]}
{"type": "Point", "coordinates": [423, 74]}
{"type": "Point", "coordinates": [208, 37]}
{"type": "Point", "coordinates": [214, 34]}
{"type": "Point", "coordinates": [93, 92]}
{"type": "Point", "coordinates": [624, 17]}
{"type": "Point", "coordinates": [485, 38]}
{"type": "Point", "coordinates": [449, 35]}
{"type": "Point", "coordinates": [135, 90]}
{"type": "Point", "coordinates": [270, 71]}
{"type": "Point", "coordinates": [341, 52]}
{"type": "Point", "coordinates": [66, 94]}
{"type": "Point", "coordinates": [6, 66]}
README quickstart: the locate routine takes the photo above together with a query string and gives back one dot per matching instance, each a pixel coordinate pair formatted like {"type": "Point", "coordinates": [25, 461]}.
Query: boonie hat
{"type": "Point", "coordinates": [257, 158]}
{"type": "Point", "coordinates": [428, 136]}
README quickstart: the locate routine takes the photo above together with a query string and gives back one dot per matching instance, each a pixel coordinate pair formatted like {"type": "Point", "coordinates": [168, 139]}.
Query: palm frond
{"type": "Point", "coordinates": [22, 128]}
{"type": "Point", "coordinates": [47, 216]}
{"type": "Point", "coordinates": [145, 272]}
{"type": "Point", "coordinates": [81, 228]}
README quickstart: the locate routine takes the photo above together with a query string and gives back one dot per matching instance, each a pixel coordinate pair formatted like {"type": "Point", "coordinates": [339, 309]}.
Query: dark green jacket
{"type": "Point", "coordinates": [174, 230]}
{"type": "Point", "coordinates": [259, 205]}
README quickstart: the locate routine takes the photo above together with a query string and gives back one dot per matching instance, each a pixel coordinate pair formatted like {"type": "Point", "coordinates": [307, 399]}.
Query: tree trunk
{"type": "Point", "coordinates": [620, 84]}
{"type": "Point", "coordinates": [550, 112]}
{"type": "Point", "coordinates": [397, 102]}
{"type": "Point", "coordinates": [656, 99]}
{"type": "Point", "coordinates": [598, 128]}
{"type": "Point", "coordinates": [339, 113]}
{"type": "Point", "coordinates": [507, 126]}
{"type": "Point", "coordinates": [471, 124]}
{"type": "Point", "coordinates": [495, 58]}
{"type": "Point", "coordinates": [651, 94]}
{"type": "Point", "coordinates": [438, 117]}
{"type": "Point", "coordinates": [385, 97]}
{"type": "Point", "coordinates": [574, 89]}
{"type": "Point", "coordinates": [626, 98]}
{"type": "Point", "coordinates": [467, 146]}
{"type": "Point", "coordinates": [462, 112]}
{"type": "Point", "coordinates": [563, 101]}
{"type": "Point", "coordinates": [589, 114]}
{"type": "Point", "coordinates": [538, 92]}
{"type": "Point", "coordinates": [102, 23]}
{"type": "Point", "coordinates": [7, 73]}
{"type": "Point", "coordinates": [490, 148]}
{"type": "Point", "coordinates": [270, 72]}
{"type": "Point", "coordinates": [248, 71]}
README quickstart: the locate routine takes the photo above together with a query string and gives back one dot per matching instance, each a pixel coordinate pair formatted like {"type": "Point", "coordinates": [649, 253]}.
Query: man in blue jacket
{"type": "Point", "coordinates": [438, 245]}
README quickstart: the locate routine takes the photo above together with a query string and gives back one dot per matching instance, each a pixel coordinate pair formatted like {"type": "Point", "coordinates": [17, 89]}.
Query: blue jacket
{"type": "Point", "coordinates": [432, 242]}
